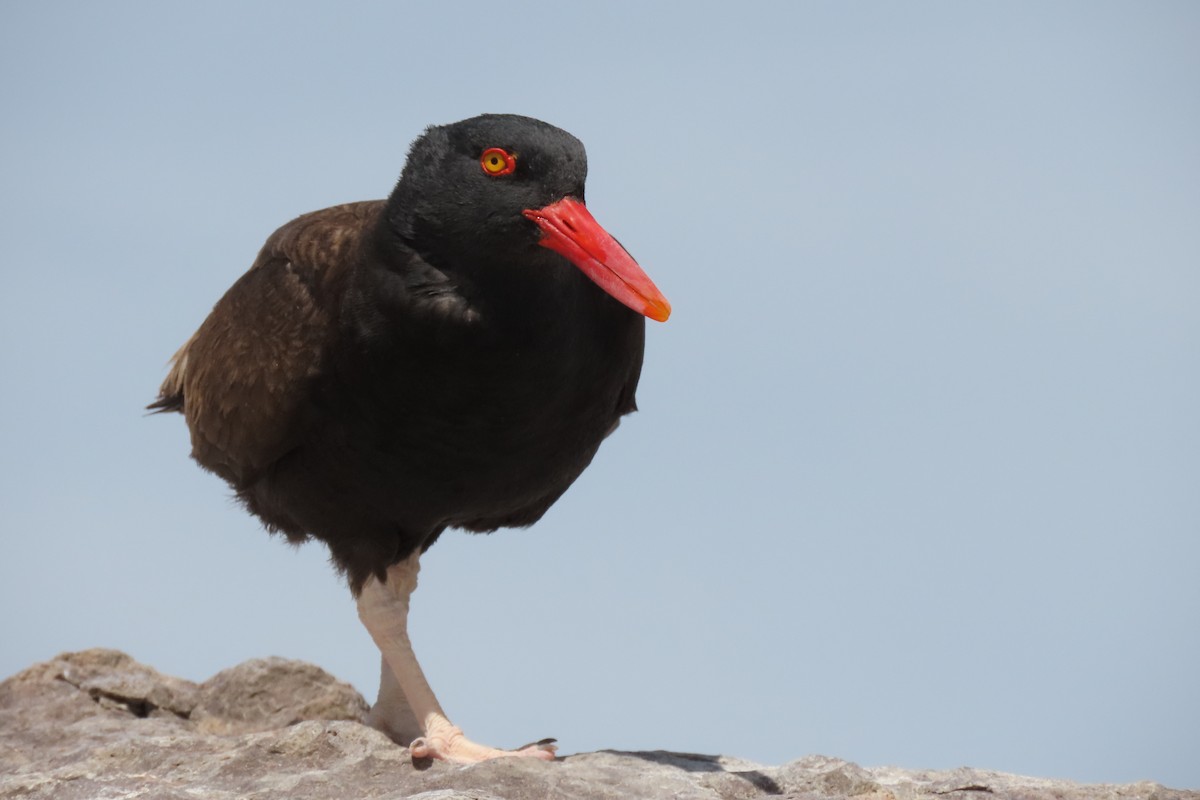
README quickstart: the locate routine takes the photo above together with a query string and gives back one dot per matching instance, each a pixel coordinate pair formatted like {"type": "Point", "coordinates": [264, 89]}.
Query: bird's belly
{"type": "Point", "coordinates": [490, 468]}
{"type": "Point", "coordinates": [420, 462]}
{"type": "Point", "coordinates": [411, 444]}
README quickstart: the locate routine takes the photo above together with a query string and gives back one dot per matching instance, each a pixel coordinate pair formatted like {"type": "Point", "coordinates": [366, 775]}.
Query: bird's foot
{"type": "Point", "coordinates": [449, 744]}
{"type": "Point", "coordinates": [401, 731]}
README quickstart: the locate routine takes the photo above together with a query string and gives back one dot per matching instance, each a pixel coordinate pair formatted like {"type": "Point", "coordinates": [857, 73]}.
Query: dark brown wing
{"type": "Point", "coordinates": [242, 380]}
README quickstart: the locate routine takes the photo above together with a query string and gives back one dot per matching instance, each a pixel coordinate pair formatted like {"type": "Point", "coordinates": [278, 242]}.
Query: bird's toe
{"type": "Point", "coordinates": [454, 747]}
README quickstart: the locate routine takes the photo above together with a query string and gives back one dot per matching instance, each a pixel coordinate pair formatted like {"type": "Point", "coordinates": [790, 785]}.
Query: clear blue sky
{"type": "Point", "coordinates": [916, 478]}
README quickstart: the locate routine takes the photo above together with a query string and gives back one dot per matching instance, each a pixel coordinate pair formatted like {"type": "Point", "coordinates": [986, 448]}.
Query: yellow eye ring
{"type": "Point", "coordinates": [497, 162]}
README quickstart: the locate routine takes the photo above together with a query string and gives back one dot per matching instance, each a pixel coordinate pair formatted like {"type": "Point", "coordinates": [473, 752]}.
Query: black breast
{"type": "Point", "coordinates": [422, 423]}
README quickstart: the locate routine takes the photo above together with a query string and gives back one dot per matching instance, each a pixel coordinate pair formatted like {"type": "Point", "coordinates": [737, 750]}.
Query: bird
{"type": "Point", "coordinates": [450, 357]}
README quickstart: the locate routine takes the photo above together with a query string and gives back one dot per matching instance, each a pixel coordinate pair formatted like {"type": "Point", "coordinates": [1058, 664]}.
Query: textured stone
{"type": "Point", "coordinates": [268, 693]}
{"type": "Point", "coordinates": [98, 724]}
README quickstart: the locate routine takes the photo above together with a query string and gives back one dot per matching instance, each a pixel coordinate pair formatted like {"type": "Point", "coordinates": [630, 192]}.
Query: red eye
{"type": "Point", "coordinates": [497, 162]}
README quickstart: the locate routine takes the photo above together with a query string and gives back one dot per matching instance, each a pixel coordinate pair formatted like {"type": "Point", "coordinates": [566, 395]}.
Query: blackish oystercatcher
{"type": "Point", "coordinates": [451, 357]}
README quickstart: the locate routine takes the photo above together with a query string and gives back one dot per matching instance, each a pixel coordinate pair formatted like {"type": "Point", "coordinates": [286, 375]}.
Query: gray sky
{"type": "Point", "coordinates": [915, 476]}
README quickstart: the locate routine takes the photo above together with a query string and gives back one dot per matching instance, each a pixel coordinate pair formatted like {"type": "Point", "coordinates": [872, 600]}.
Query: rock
{"type": "Point", "coordinates": [268, 693]}
{"type": "Point", "coordinates": [99, 724]}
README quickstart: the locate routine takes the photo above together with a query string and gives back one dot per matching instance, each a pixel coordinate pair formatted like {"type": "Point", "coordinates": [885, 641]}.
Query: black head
{"type": "Point", "coordinates": [498, 199]}
{"type": "Point", "coordinates": [447, 203]}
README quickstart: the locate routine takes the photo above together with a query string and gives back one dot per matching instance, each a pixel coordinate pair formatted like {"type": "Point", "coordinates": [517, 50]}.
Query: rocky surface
{"type": "Point", "coordinates": [98, 724]}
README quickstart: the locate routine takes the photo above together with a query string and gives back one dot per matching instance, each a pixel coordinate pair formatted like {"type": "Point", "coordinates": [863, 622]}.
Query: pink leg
{"type": "Point", "coordinates": [383, 609]}
{"type": "Point", "coordinates": [391, 713]}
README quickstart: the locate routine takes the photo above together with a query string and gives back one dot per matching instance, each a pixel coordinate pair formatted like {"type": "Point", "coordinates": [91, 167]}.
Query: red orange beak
{"type": "Point", "coordinates": [570, 230]}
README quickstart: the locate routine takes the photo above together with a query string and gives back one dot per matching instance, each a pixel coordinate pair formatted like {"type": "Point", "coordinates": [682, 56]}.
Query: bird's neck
{"type": "Point", "coordinates": [413, 287]}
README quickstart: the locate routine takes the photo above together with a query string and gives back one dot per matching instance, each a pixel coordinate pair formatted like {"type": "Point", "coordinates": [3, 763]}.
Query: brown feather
{"type": "Point", "coordinates": [240, 379]}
